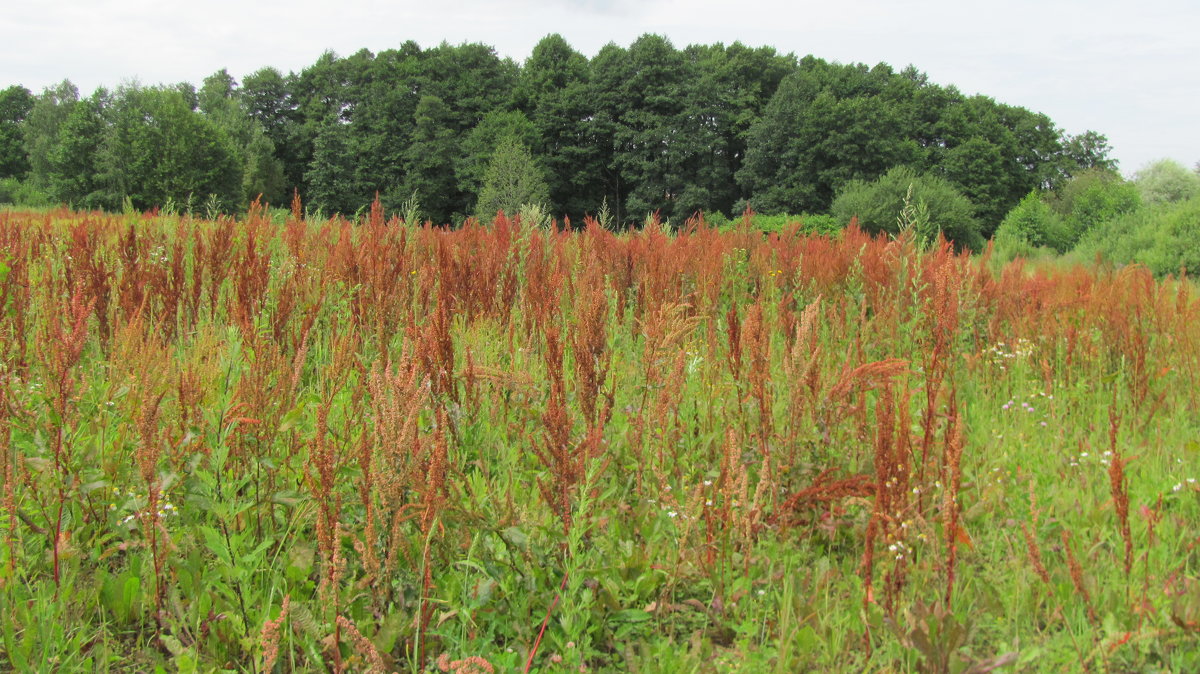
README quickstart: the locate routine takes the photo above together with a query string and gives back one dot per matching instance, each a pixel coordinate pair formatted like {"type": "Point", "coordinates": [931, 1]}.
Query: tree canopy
{"type": "Point", "coordinates": [648, 128]}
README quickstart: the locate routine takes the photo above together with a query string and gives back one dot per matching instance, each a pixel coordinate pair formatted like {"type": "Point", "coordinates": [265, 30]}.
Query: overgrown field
{"type": "Point", "coordinates": [372, 446]}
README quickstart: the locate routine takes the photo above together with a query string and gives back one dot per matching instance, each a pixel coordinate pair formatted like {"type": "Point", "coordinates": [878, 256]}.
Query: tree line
{"type": "Point", "coordinates": [632, 130]}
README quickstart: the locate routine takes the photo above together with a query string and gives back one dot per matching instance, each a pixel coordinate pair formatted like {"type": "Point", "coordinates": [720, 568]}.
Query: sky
{"type": "Point", "coordinates": [1127, 70]}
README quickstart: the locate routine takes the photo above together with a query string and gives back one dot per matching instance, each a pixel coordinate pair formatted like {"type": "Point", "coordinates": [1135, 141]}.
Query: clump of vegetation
{"type": "Point", "coordinates": [877, 205]}
{"type": "Point", "coordinates": [1165, 182]}
{"type": "Point", "coordinates": [1093, 197]}
{"type": "Point", "coordinates": [1162, 237]}
{"type": "Point", "coordinates": [1032, 225]}
{"type": "Point", "coordinates": [385, 446]}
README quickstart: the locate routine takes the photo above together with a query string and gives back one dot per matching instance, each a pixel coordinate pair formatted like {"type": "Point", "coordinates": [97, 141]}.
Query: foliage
{"type": "Point", "coordinates": [158, 149]}
{"type": "Point", "coordinates": [1033, 222]}
{"type": "Point", "coordinates": [648, 128]}
{"type": "Point", "coordinates": [41, 128]}
{"type": "Point", "coordinates": [1166, 181]}
{"type": "Point", "coordinates": [15, 104]}
{"type": "Point", "coordinates": [513, 180]}
{"type": "Point", "coordinates": [808, 223]}
{"type": "Point", "coordinates": [261, 171]}
{"type": "Point", "coordinates": [1161, 236]}
{"type": "Point", "coordinates": [22, 193]}
{"type": "Point", "coordinates": [877, 206]}
{"type": "Point", "coordinates": [1091, 198]}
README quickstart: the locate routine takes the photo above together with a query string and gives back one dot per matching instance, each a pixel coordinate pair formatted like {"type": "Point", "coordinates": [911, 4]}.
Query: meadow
{"type": "Point", "coordinates": [273, 444]}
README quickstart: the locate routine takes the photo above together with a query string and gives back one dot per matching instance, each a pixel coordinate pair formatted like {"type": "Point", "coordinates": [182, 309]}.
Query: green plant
{"type": "Point", "coordinates": [878, 204]}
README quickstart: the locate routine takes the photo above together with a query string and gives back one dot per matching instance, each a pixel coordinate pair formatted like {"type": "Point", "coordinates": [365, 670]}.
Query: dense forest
{"type": "Point", "coordinates": [458, 131]}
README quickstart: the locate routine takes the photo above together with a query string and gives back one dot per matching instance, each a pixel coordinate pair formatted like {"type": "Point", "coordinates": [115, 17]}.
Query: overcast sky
{"type": "Point", "coordinates": [1124, 69]}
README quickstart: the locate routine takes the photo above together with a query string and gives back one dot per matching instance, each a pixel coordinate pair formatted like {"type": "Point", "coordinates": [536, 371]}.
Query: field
{"type": "Point", "coordinates": [280, 445]}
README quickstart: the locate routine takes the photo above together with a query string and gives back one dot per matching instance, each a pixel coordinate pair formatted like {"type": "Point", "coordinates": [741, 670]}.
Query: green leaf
{"type": "Point", "coordinates": [130, 591]}
{"type": "Point", "coordinates": [631, 615]}
{"type": "Point", "coordinates": [250, 559]}
{"type": "Point", "coordinates": [216, 544]}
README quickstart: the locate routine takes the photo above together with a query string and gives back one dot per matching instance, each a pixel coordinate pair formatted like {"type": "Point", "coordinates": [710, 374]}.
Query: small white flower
{"type": "Point", "coordinates": [672, 513]}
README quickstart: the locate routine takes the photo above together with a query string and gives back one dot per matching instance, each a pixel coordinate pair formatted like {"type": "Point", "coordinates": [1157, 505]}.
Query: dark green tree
{"type": "Point", "coordinates": [266, 95]}
{"type": "Point", "coordinates": [553, 92]}
{"type": "Point", "coordinates": [157, 148]}
{"type": "Point", "coordinates": [73, 160]}
{"type": "Point", "coordinates": [262, 172]}
{"type": "Point", "coordinates": [483, 142]}
{"type": "Point", "coordinates": [41, 127]}
{"type": "Point", "coordinates": [734, 85]}
{"type": "Point", "coordinates": [429, 161]}
{"type": "Point", "coordinates": [15, 104]}
{"type": "Point", "coordinates": [330, 174]}
{"type": "Point", "coordinates": [826, 125]}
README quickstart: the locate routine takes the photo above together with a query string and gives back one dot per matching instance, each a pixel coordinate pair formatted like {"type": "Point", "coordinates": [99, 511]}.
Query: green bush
{"type": "Point", "coordinates": [18, 193]}
{"type": "Point", "coordinates": [1164, 238]}
{"type": "Point", "coordinates": [1166, 181]}
{"type": "Point", "coordinates": [810, 223]}
{"type": "Point", "coordinates": [938, 206]}
{"type": "Point", "coordinates": [1092, 198]}
{"type": "Point", "coordinates": [1033, 222]}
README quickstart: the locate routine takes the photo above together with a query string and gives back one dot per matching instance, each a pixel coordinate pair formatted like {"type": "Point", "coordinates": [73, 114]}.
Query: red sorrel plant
{"type": "Point", "coordinates": [148, 452]}
{"type": "Point", "coordinates": [61, 350]}
{"type": "Point", "coordinates": [556, 450]}
{"type": "Point", "coordinates": [1118, 487]}
{"type": "Point", "coordinates": [952, 479]}
{"type": "Point", "coordinates": [1078, 580]}
{"type": "Point", "coordinates": [1031, 545]}
{"type": "Point", "coordinates": [8, 456]}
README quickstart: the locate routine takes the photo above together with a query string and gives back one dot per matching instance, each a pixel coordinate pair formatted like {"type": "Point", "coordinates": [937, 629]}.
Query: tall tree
{"type": "Point", "coordinates": [73, 160]}
{"type": "Point", "coordinates": [262, 172]}
{"type": "Point", "coordinates": [826, 125]}
{"type": "Point", "coordinates": [554, 94]}
{"type": "Point", "coordinates": [158, 149]}
{"type": "Point", "coordinates": [513, 180]}
{"type": "Point", "coordinates": [15, 103]}
{"type": "Point", "coordinates": [429, 162]}
{"type": "Point", "coordinates": [734, 85]}
{"type": "Point", "coordinates": [483, 142]}
{"type": "Point", "coordinates": [330, 174]}
{"type": "Point", "coordinates": [267, 97]}
{"type": "Point", "coordinates": [41, 127]}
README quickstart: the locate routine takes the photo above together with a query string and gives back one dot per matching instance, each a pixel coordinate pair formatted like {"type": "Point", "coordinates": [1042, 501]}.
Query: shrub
{"type": "Point", "coordinates": [809, 223]}
{"type": "Point", "coordinates": [1033, 222]}
{"type": "Point", "coordinates": [1161, 237]}
{"type": "Point", "coordinates": [878, 205]}
{"type": "Point", "coordinates": [18, 193]}
{"type": "Point", "coordinates": [1094, 197]}
{"type": "Point", "coordinates": [1166, 181]}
